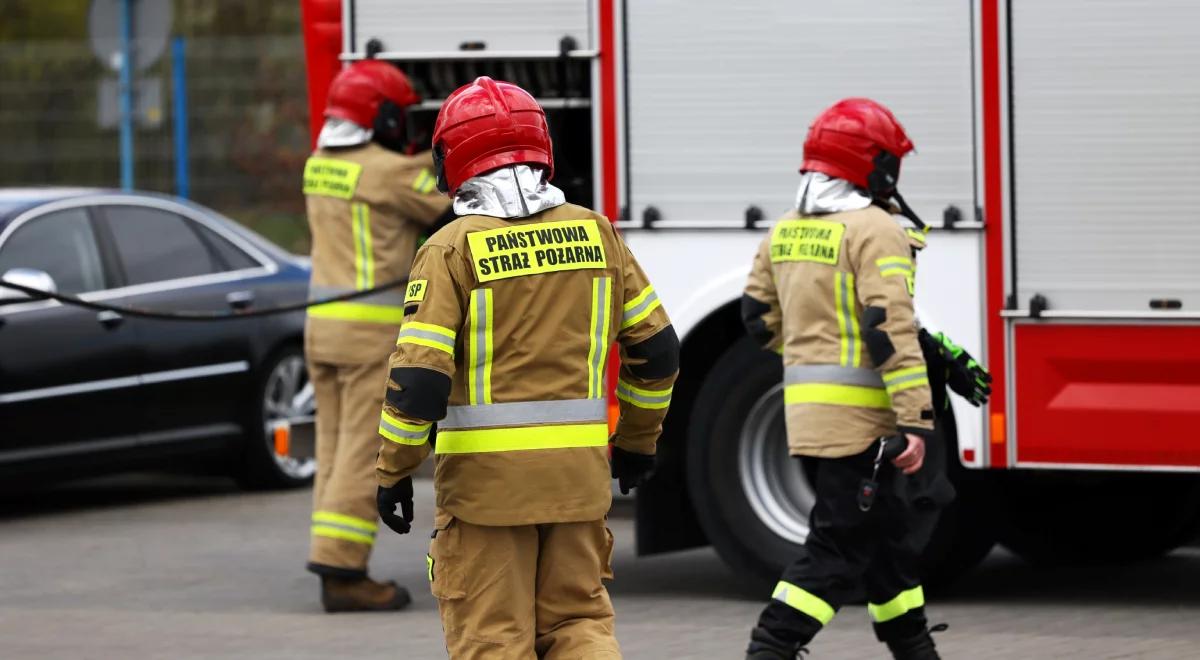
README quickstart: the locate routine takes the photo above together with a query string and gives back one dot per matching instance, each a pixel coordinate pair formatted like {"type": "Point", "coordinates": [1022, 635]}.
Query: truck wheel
{"type": "Point", "coordinates": [752, 499]}
{"type": "Point", "coordinates": [1067, 517]}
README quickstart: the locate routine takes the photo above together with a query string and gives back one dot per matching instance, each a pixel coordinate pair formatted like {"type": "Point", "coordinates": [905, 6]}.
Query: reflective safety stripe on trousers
{"type": "Point", "coordinates": [834, 385]}
{"type": "Point", "coordinates": [523, 425]}
{"type": "Point", "coordinates": [804, 602]}
{"type": "Point", "coordinates": [905, 602]}
{"type": "Point", "coordinates": [332, 525]}
{"type": "Point", "coordinates": [598, 344]}
{"type": "Point", "coordinates": [844, 298]}
{"type": "Point", "coordinates": [479, 348]}
{"type": "Point", "coordinates": [383, 307]}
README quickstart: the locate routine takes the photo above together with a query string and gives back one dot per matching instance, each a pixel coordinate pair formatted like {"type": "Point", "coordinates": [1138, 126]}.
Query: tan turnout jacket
{"type": "Point", "coordinates": [834, 295]}
{"type": "Point", "coordinates": [511, 321]}
{"type": "Point", "coordinates": [367, 207]}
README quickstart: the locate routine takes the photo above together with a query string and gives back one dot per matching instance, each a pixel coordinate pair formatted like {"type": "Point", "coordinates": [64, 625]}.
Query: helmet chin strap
{"type": "Point", "coordinates": [906, 211]}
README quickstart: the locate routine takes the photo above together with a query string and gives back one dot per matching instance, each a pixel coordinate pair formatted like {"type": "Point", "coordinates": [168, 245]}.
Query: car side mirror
{"type": "Point", "coordinates": [27, 277]}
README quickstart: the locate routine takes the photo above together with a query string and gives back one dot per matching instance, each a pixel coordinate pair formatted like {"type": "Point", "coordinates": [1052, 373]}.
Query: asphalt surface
{"type": "Point", "coordinates": [172, 567]}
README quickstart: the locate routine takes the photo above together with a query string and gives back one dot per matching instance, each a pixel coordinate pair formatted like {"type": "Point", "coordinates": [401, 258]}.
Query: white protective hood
{"type": "Point", "coordinates": [514, 191]}
{"type": "Point", "coordinates": [820, 193]}
{"type": "Point", "coordinates": [339, 132]}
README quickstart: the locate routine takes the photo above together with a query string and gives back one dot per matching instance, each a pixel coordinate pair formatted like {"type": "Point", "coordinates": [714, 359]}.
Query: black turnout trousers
{"type": "Point", "coordinates": [850, 553]}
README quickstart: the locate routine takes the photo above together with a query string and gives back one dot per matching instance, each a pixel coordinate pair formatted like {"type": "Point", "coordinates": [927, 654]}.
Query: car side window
{"type": "Point", "coordinates": [61, 244]}
{"type": "Point", "coordinates": [234, 257]}
{"type": "Point", "coordinates": [156, 245]}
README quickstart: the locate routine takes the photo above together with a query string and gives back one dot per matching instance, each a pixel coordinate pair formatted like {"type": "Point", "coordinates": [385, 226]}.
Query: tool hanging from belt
{"type": "Point", "coordinates": [889, 449]}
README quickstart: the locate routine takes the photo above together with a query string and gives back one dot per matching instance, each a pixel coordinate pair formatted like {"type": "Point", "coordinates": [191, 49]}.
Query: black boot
{"type": "Point", "coordinates": [916, 647]}
{"type": "Point", "coordinates": [765, 646]}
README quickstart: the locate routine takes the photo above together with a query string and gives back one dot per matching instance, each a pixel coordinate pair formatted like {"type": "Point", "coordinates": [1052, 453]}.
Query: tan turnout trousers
{"type": "Point", "coordinates": [525, 591]}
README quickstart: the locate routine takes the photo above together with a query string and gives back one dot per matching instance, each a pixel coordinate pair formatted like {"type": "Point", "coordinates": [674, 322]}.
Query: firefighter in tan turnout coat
{"type": "Point", "coordinates": [368, 204]}
{"type": "Point", "coordinates": [510, 313]}
{"type": "Point", "coordinates": [831, 289]}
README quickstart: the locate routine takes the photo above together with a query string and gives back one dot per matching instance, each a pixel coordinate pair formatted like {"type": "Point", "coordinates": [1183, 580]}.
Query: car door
{"type": "Point", "coordinates": [197, 373]}
{"type": "Point", "coordinates": [68, 375]}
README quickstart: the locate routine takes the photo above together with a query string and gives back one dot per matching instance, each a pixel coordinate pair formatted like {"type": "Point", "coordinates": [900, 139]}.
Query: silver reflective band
{"type": "Point", "coordinates": [831, 373]}
{"type": "Point", "coordinates": [390, 298]}
{"type": "Point", "coordinates": [426, 334]}
{"type": "Point", "coordinates": [626, 391]}
{"type": "Point", "coordinates": [525, 413]}
{"type": "Point", "coordinates": [633, 313]}
{"type": "Point", "coordinates": [404, 433]}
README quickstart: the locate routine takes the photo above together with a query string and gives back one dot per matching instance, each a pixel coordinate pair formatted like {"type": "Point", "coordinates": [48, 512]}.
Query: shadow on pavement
{"type": "Point", "coordinates": [112, 491]}
{"type": "Point", "coordinates": [1004, 578]}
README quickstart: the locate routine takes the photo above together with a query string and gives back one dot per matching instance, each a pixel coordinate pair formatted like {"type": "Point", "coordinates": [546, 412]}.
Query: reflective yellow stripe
{"type": "Point", "coordinates": [425, 182]}
{"type": "Point", "coordinates": [903, 603]}
{"type": "Point", "coordinates": [364, 258]}
{"type": "Point", "coordinates": [598, 345]}
{"type": "Point", "coordinates": [899, 374]}
{"type": "Point", "coordinates": [903, 379]}
{"type": "Point", "coordinates": [843, 300]}
{"type": "Point", "coordinates": [649, 399]}
{"type": "Point", "coordinates": [636, 310]}
{"type": "Point", "coordinates": [803, 601]}
{"type": "Point", "coordinates": [917, 235]}
{"type": "Point", "coordinates": [343, 534]}
{"type": "Point", "coordinates": [345, 520]}
{"type": "Point", "coordinates": [352, 311]}
{"type": "Point", "coordinates": [837, 395]}
{"type": "Point", "coordinates": [479, 350]}
{"type": "Point", "coordinates": [331, 177]}
{"type": "Point", "coordinates": [427, 334]}
{"type": "Point", "coordinates": [403, 433]}
{"type": "Point", "coordinates": [522, 438]}
{"type": "Point", "coordinates": [429, 566]}
{"type": "Point", "coordinates": [883, 262]}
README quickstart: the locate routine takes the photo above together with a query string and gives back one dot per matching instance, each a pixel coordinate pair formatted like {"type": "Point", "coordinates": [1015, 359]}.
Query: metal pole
{"type": "Point", "coordinates": [125, 95]}
{"type": "Point", "coordinates": [179, 94]}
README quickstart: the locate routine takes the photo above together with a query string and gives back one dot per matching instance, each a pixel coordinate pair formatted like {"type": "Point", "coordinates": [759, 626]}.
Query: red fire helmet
{"type": "Point", "coordinates": [357, 93]}
{"type": "Point", "coordinates": [847, 139]}
{"type": "Point", "coordinates": [485, 125]}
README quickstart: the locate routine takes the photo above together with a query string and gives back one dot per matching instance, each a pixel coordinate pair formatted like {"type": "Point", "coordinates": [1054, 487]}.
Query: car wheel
{"type": "Point", "coordinates": [283, 394]}
{"type": "Point", "coordinates": [753, 500]}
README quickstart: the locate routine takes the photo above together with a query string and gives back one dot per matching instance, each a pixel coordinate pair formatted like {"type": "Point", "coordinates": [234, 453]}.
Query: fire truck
{"type": "Point", "coordinates": [1056, 142]}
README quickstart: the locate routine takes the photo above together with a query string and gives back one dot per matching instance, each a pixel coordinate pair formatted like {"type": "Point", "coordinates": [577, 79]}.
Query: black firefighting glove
{"type": "Point", "coordinates": [387, 499]}
{"type": "Point", "coordinates": [630, 469]}
{"type": "Point", "coordinates": [964, 376]}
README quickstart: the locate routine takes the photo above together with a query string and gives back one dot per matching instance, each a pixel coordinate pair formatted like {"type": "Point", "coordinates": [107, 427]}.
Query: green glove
{"type": "Point", "coordinates": [964, 376]}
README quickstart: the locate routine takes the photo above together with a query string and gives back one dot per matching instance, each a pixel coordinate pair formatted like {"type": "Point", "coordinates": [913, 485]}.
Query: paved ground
{"type": "Point", "coordinates": [188, 568]}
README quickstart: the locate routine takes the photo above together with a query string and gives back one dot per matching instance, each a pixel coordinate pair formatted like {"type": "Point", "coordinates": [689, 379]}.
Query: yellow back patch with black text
{"type": "Point", "coordinates": [819, 241]}
{"type": "Point", "coordinates": [545, 247]}
{"type": "Point", "coordinates": [331, 177]}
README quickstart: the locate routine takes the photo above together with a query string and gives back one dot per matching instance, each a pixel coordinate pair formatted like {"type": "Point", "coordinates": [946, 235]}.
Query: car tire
{"type": "Point", "coordinates": [281, 391]}
{"type": "Point", "coordinates": [753, 501]}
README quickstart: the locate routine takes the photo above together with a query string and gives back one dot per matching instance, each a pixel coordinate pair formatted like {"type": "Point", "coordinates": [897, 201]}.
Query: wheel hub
{"type": "Point", "coordinates": [288, 397]}
{"type": "Point", "coordinates": [775, 484]}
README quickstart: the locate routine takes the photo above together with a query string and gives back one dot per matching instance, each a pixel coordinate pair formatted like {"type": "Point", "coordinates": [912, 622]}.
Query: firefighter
{"type": "Point", "coordinates": [510, 313]}
{"type": "Point", "coordinates": [368, 203]}
{"type": "Point", "coordinates": [831, 289]}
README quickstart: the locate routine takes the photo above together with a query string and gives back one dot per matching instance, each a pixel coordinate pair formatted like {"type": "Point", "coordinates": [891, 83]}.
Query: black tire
{"type": "Point", "coordinates": [1054, 518]}
{"type": "Point", "coordinates": [752, 547]}
{"type": "Point", "coordinates": [256, 465]}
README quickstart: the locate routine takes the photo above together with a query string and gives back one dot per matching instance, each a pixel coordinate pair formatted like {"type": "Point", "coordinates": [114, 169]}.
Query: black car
{"type": "Point", "coordinates": [83, 392]}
